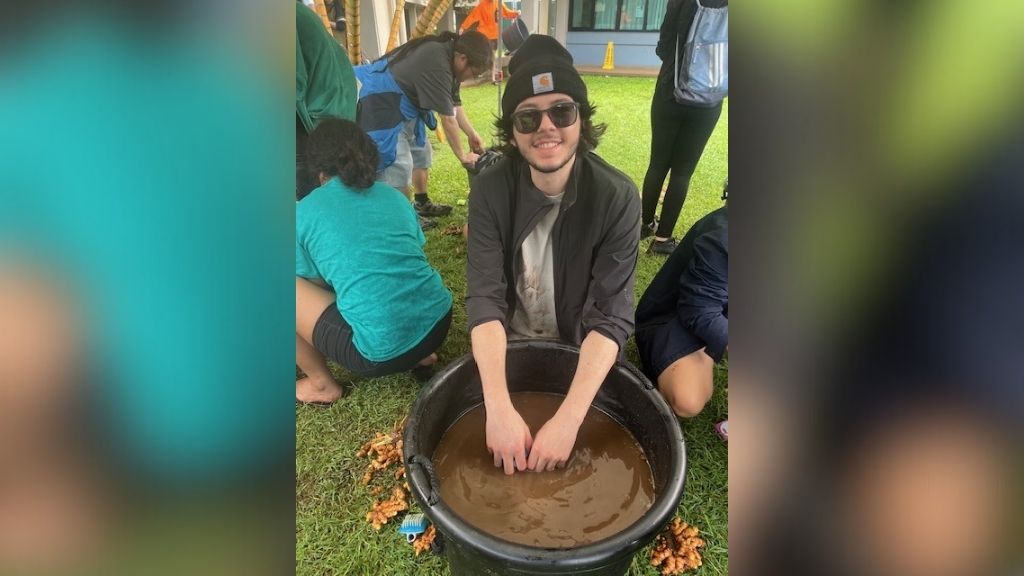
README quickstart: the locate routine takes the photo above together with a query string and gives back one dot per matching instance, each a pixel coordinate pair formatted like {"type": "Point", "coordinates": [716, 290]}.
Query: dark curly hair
{"type": "Point", "coordinates": [590, 133]}
{"type": "Point", "coordinates": [340, 148]}
{"type": "Point", "coordinates": [474, 45]}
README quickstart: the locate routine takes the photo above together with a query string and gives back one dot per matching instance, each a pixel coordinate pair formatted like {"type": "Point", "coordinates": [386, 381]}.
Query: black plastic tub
{"type": "Point", "coordinates": [544, 366]}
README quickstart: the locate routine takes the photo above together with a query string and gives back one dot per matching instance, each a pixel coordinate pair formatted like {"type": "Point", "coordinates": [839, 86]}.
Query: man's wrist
{"type": "Point", "coordinates": [572, 414]}
{"type": "Point", "coordinates": [498, 401]}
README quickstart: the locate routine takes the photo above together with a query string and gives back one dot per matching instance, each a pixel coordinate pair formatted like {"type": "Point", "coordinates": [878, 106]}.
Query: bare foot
{"type": "Point", "coordinates": [322, 390]}
{"type": "Point", "coordinates": [428, 361]}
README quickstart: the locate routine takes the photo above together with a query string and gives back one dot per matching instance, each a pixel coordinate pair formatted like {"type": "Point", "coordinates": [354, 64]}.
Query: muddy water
{"type": "Point", "coordinates": [605, 486]}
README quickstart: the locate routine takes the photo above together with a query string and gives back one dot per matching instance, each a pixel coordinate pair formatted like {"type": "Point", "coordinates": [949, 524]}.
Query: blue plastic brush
{"type": "Point", "coordinates": [413, 525]}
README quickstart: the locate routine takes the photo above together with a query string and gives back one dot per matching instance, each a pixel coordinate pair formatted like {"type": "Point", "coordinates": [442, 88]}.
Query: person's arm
{"type": "Point", "coordinates": [507, 13]}
{"type": "Point", "coordinates": [666, 46]}
{"type": "Point", "coordinates": [508, 436]}
{"type": "Point", "coordinates": [555, 440]}
{"type": "Point", "coordinates": [704, 293]}
{"type": "Point", "coordinates": [450, 124]}
{"type": "Point", "coordinates": [471, 18]}
{"type": "Point", "coordinates": [437, 91]}
{"type": "Point", "coordinates": [476, 143]}
{"type": "Point", "coordinates": [608, 324]}
{"type": "Point", "coordinates": [613, 272]}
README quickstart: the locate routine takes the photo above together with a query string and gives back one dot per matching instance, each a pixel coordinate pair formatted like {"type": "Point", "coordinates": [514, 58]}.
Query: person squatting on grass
{"type": "Point", "coordinates": [679, 132]}
{"type": "Point", "coordinates": [553, 238]}
{"type": "Point", "coordinates": [682, 322]}
{"type": "Point", "coordinates": [399, 93]}
{"type": "Point", "coordinates": [365, 295]}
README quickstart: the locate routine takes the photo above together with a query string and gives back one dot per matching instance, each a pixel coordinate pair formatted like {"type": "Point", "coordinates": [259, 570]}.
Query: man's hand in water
{"type": "Point", "coordinates": [508, 439]}
{"type": "Point", "coordinates": [553, 445]}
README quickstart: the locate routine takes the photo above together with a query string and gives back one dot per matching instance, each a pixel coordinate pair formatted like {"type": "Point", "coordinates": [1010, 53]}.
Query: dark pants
{"type": "Point", "coordinates": [678, 136]}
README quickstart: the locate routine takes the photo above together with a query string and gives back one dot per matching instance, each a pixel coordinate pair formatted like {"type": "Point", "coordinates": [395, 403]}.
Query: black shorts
{"type": "Point", "coordinates": [661, 342]}
{"type": "Point", "coordinates": [332, 336]}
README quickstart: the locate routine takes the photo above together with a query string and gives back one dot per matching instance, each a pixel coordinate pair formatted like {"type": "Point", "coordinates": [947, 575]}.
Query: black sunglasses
{"type": "Point", "coordinates": [562, 115]}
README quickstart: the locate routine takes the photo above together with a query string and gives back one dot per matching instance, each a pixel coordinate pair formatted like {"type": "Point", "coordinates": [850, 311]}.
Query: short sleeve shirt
{"type": "Point", "coordinates": [535, 286]}
{"type": "Point", "coordinates": [368, 246]}
{"type": "Point", "coordinates": [427, 78]}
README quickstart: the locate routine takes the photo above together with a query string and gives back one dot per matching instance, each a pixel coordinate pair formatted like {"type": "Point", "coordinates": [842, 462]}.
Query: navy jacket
{"type": "Point", "coordinates": [693, 285]}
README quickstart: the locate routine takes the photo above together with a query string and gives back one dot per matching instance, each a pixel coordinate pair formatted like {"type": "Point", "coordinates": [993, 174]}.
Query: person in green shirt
{"type": "Point", "coordinates": [365, 295]}
{"type": "Point", "coordinates": [325, 85]}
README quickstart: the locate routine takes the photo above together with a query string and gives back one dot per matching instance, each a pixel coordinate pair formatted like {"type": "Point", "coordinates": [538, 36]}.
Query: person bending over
{"type": "Point", "coordinates": [398, 96]}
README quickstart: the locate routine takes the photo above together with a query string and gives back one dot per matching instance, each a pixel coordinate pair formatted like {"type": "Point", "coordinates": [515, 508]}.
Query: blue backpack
{"type": "Point", "coordinates": [702, 74]}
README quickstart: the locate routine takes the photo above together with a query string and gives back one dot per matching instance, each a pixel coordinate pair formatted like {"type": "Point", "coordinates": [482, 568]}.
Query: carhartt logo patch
{"type": "Point", "coordinates": [543, 83]}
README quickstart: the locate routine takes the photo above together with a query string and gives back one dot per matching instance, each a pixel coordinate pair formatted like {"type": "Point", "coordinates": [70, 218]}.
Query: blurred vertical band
{"type": "Point", "coordinates": [877, 271]}
{"type": "Point", "coordinates": [146, 300]}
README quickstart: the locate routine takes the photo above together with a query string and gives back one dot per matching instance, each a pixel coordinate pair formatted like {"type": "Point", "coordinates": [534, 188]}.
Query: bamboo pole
{"type": "Point", "coordinates": [438, 13]}
{"type": "Point", "coordinates": [396, 23]}
{"type": "Point", "coordinates": [428, 20]}
{"type": "Point", "coordinates": [352, 31]}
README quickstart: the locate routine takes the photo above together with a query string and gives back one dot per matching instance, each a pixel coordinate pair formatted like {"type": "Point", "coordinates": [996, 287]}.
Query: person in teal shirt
{"type": "Point", "coordinates": [365, 295]}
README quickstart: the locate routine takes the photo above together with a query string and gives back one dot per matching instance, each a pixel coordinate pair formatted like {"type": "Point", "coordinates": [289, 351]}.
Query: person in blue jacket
{"type": "Point", "coordinates": [682, 322]}
{"type": "Point", "coordinates": [365, 295]}
{"type": "Point", "coordinates": [398, 96]}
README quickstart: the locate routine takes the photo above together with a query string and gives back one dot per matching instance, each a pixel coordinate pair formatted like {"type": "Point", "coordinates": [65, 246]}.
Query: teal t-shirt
{"type": "Point", "coordinates": [368, 246]}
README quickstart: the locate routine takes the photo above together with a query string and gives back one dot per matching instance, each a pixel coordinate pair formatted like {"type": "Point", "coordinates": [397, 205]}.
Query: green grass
{"type": "Point", "coordinates": [331, 533]}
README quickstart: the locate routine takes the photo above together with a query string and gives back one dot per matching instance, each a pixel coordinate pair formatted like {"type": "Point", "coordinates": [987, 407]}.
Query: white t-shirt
{"type": "Point", "coordinates": [535, 287]}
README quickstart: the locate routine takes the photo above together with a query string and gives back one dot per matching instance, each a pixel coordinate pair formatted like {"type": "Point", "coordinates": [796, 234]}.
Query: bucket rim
{"type": "Point", "coordinates": [629, 540]}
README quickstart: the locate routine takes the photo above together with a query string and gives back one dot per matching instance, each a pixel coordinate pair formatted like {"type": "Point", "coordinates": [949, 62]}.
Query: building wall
{"type": "Point", "coordinates": [632, 49]}
{"type": "Point", "coordinates": [375, 25]}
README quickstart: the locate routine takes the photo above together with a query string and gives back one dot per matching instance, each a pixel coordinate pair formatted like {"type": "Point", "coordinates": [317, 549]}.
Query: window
{"type": "Point", "coordinates": [620, 15]}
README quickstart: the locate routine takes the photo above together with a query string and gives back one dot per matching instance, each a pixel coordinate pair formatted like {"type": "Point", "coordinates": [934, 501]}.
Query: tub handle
{"type": "Point", "coordinates": [423, 462]}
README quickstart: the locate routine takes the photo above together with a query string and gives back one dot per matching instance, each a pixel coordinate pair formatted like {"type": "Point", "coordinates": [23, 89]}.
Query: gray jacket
{"type": "Point", "coordinates": [594, 243]}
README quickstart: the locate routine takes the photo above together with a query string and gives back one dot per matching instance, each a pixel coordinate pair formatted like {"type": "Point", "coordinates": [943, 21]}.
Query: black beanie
{"type": "Point", "coordinates": [541, 65]}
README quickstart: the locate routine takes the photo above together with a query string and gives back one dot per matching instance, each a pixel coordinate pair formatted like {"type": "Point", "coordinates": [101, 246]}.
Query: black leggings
{"type": "Point", "coordinates": [678, 136]}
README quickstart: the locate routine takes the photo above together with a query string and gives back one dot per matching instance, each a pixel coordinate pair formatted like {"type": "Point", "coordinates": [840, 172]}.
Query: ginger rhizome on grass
{"type": "Point", "coordinates": [422, 544]}
{"type": "Point", "coordinates": [384, 510]}
{"type": "Point", "coordinates": [676, 548]}
{"type": "Point", "coordinates": [385, 450]}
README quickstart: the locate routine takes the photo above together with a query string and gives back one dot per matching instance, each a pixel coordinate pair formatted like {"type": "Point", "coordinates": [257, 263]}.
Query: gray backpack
{"type": "Point", "coordinates": [702, 74]}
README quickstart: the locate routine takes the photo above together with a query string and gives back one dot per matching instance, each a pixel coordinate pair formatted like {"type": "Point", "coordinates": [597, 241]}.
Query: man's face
{"type": "Point", "coordinates": [464, 72]}
{"type": "Point", "coordinates": [550, 147]}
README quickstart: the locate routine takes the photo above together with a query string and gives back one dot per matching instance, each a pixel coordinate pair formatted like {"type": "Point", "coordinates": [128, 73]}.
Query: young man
{"type": "Point", "coordinates": [398, 95]}
{"type": "Point", "coordinates": [682, 320]}
{"type": "Point", "coordinates": [553, 240]}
